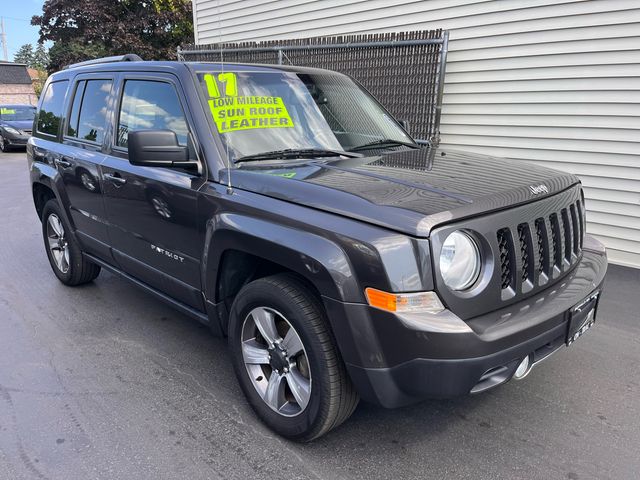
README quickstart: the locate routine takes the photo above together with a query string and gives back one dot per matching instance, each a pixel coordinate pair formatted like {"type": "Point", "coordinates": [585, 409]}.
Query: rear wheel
{"type": "Point", "coordinates": [286, 360]}
{"type": "Point", "coordinates": [64, 253]}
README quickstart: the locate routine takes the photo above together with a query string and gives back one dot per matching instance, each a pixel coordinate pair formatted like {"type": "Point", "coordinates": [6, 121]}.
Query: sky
{"type": "Point", "coordinates": [17, 23]}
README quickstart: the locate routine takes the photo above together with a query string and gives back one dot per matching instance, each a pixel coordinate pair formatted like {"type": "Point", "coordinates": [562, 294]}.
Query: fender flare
{"type": "Point", "coordinates": [317, 259]}
{"type": "Point", "coordinates": [48, 176]}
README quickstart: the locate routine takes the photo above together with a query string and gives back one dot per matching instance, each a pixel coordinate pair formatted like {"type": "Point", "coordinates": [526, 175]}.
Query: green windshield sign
{"type": "Point", "coordinates": [233, 112]}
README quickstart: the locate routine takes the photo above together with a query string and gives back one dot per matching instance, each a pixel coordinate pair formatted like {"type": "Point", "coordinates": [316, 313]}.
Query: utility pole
{"type": "Point", "coordinates": [3, 38]}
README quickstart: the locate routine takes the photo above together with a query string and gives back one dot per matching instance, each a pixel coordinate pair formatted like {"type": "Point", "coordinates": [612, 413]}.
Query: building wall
{"type": "Point", "coordinates": [555, 82]}
{"type": "Point", "coordinates": [18, 94]}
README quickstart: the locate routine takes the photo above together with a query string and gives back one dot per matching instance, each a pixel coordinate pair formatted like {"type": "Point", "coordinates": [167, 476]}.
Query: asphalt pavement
{"type": "Point", "coordinates": [102, 381]}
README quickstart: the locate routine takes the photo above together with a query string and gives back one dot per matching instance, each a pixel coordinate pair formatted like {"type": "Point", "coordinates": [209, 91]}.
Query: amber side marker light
{"type": "Point", "coordinates": [427, 302]}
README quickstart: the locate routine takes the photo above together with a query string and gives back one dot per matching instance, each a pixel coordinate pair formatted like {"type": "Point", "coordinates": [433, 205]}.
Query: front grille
{"type": "Point", "coordinates": [526, 247]}
{"type": "Point", "coordinates": [547, 246]}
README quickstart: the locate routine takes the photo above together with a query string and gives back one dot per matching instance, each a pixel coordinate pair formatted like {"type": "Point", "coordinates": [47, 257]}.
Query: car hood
{"type": "Point", "coordinates": [19, 124]}
{"type": "Point", "coordinates": [410, 191]}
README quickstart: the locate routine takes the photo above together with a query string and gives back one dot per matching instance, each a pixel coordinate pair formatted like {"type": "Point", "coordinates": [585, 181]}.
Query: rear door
{"type": "Point", "coordinates": [72, 153]}
{"type": "Point", "coordinates": [83, 135]}
{"type": "Point", "coordinates": [152, 211]}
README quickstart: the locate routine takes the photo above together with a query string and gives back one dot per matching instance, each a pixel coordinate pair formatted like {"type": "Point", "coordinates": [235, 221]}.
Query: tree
{"type": "Point", "coordinates": [83, 30]}
{"type": "Point", "coordinates": [24, 54]}
{"type": "Point", "coordinates": [65, 53]}
{"type": "Point", "coordinates": [40, 60]}
{"type": "Point", "coordinates": [39, 82]}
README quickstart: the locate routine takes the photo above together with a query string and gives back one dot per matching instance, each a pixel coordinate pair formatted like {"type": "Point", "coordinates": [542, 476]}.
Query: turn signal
{"type": "Point", "coordinates": [404, 302]}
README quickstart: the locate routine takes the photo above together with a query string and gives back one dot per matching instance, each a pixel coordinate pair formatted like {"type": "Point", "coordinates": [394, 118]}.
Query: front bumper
{"type": "Point", "coordinates": [13, 140]}
{"type": "Point", "coordinates": [396, 360]}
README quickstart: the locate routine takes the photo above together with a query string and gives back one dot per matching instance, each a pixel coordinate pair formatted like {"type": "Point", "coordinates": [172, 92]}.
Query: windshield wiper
{"type": "Point", "coordinates": [383, 142]}
{"type": "Point", "coordinates": [296, 153]}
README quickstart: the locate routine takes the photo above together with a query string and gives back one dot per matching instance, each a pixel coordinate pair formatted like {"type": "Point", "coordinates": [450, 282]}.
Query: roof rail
{"type": "Point", "coordinates": [129, 57]}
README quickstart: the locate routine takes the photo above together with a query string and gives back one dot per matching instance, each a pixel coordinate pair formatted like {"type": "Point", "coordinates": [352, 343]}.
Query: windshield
{"type": "Point", "coordinates": [15, 113]}
{"type": "Point", "coordinates": [259, 112]}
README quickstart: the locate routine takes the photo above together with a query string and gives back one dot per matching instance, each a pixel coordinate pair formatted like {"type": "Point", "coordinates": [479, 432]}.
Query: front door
{"type": "Point", "coordinates": [152, 211]}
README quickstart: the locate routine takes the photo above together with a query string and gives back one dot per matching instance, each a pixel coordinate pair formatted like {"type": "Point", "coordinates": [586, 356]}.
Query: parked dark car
{"type": "Point", "coordinates": [285, 208]}
{"type": "Point", "coordinates": [16, 122]}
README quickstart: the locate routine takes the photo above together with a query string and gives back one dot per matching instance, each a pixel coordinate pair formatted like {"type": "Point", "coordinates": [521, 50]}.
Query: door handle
{"type": "Point", "coordinates": [40, 155]}
{"type": "Point", "coordinates": [115, 178]}
{"type": "Point", "coordinates": [61, 162]}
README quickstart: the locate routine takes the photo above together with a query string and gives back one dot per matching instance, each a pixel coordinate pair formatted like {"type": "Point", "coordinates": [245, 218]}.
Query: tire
{"type": "Point", "coordinates": [63, 251]}
{"type": "Point", "coordinates": [332, 397]}
{"type": "Point", "coordinates": [3, 146]}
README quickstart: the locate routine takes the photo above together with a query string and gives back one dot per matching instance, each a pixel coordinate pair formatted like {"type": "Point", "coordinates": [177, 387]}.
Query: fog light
{"type": "Point", "coordinates": [523, 368]}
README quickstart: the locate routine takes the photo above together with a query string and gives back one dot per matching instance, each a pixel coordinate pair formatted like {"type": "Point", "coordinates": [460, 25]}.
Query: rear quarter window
{"type": "Point", "coordinates": [50, 114]}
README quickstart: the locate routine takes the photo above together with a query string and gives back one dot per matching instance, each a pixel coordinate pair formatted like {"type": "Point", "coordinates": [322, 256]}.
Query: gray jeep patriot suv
{"type": "Point", "coordinates": [285, 208]}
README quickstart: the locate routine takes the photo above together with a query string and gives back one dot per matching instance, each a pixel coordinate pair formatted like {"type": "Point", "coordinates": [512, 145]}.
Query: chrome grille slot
{"type": "Point", "coordinates": [507, 263]}
{"type": "Point", "coordinates": [526, 252]}
{"type": "Point", "coordinates": [566, 229]}
{"type": "Point", "coordinates": [575, 229]}
{"type": "Point", "coordinates": [580, 221]}
{"type": "Point", "coordinates": [555, 240]}
{"type": "Point", "coordinates": [543, 246]}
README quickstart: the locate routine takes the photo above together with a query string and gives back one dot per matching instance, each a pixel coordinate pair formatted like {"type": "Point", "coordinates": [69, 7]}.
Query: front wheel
{"type": "Point", "coordinates": [286, 359]}
{"type": "Point", "coordinates": [3, 145]}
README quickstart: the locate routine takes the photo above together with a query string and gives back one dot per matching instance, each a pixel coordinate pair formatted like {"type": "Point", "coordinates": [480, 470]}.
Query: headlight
{"type": "Point", "coordinates": [459, 261]}
{"type": "Point", "coordinates": [12, 131]}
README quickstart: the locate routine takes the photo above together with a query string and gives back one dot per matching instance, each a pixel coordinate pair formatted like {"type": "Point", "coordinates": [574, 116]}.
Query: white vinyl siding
{"type": "Point", "coordinates": [554, 82]}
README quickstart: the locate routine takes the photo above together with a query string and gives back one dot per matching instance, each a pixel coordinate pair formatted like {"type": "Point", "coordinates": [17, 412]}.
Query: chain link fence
{"type": "Point", "coordinates": [405, 70]}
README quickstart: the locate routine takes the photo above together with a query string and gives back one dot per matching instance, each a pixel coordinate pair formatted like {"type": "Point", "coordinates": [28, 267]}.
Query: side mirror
{"type": "Point", "coordinates": [158, 148]}
{"type": "Point", "coordinates": [404, 124]}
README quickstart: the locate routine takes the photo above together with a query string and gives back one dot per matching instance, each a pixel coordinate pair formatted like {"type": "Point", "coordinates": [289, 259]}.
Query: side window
{"type": "Point", "coordinates": [88, 118]}
{"type": "Point", "coordinates": [150, 105]}
{"type": "Point", "coordinates": [51, 108]}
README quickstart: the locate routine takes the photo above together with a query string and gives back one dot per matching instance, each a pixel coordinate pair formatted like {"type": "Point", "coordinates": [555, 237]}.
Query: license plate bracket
{"type": "Point", "coordinates": [582, 317]}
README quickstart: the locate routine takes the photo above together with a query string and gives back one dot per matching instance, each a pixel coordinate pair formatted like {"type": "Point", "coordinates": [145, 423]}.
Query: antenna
{"type": "Point", "coordinates": [3, 38]}
{"type": "Point", "coordinates": [226, 144]}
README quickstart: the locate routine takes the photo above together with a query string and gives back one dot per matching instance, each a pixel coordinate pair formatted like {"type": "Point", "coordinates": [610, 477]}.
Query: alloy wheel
{"type": "Point", "coordinates": [276, 361]}
{"type": "Point", "coordinates": [58, 245]}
